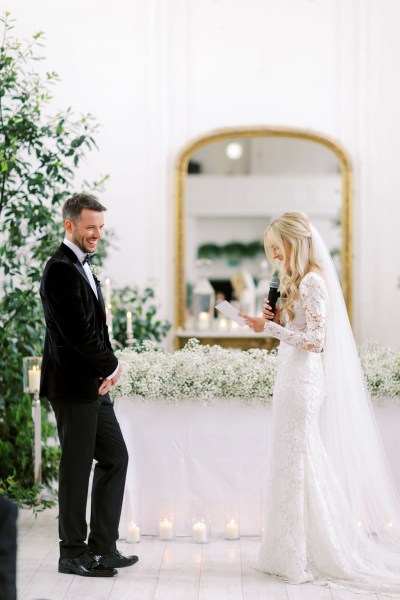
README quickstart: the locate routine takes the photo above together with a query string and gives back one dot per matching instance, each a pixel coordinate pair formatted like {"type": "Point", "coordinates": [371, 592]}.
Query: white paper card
{"type": "Point", "coordinates": [231, 312]}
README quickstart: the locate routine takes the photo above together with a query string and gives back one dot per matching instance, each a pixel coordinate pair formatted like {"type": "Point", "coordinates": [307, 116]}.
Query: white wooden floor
{"type": "Point", "coordinates": [178, 570]}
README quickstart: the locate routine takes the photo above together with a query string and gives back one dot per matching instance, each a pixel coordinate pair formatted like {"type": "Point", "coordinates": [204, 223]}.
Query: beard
{"type": "Point", "coordinates": [81, 244]}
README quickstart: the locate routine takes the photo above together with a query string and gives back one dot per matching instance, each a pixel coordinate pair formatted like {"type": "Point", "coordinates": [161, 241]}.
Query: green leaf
{"type": "Point", "coordinates": [78, 141]}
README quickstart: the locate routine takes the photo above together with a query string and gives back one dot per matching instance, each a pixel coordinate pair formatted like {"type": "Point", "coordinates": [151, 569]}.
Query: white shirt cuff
{"type": "Point", "coordinates": [113, 373]}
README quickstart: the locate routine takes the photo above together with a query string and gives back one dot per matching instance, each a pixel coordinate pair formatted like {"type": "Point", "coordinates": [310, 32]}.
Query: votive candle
{"type": "Point", "coordinates": [166, 530]}
{"type": "Point", "coordinates": [200, 532]}
{"type": "Point", "coordinates": [133, 533]}
{"type": "Point", "coordinates": [232, 530]}
{"type": "Point", "coordinates": [34, 378]}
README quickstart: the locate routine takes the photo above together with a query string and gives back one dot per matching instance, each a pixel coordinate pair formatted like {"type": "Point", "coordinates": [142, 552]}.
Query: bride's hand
{"type": "Point", "coordinates": [269, 315]}
{"type": "Point", "coordinates": [256, 323]}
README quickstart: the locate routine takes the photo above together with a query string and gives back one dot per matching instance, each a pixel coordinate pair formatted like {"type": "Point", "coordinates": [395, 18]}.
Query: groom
{"type": "Point", "coordinates": [78, 370]}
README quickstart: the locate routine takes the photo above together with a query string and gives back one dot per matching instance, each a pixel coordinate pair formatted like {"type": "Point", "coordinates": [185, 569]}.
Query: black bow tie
{"type": "Point", "coordinates": [87, 259]}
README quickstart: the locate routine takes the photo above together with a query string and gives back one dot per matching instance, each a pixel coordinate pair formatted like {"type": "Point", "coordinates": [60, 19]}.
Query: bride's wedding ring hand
{"type": "Point", "coordinates": [269, 315]}
{"type": "Point", "coordinates": [267, 311]}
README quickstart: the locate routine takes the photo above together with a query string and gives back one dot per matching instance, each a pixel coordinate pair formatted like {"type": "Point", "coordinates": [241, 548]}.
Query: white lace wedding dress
{"type": "Point", "coordinates": [309, 531]}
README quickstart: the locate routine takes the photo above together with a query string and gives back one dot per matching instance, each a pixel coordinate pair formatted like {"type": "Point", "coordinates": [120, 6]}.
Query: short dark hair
{"type": "Point", "coordinates": [75, 204]}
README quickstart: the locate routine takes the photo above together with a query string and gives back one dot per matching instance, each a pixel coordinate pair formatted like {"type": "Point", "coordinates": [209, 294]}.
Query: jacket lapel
{"type": "Point", "coordinates": [100, 296]}
{"type": "Point", "coordinates": [82, 271]}
{"type": "Point", "coordinates": [74, 259]}
{"type": "Point", "coordinates": [78, 266]}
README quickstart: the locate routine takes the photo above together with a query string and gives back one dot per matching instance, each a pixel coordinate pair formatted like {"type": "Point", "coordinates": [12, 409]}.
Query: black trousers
{"type": "Point", "coordinates": [87, 431]}
{"type": "Point", "coordinates": [8, 549]}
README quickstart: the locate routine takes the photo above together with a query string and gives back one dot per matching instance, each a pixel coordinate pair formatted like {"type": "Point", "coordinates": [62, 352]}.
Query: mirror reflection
{"type": "Point", "coordinates": [234, 188]}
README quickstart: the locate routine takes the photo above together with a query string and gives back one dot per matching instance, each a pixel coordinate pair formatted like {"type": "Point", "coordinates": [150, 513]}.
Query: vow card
{"type": "Point", "coordinates": [231, 312]}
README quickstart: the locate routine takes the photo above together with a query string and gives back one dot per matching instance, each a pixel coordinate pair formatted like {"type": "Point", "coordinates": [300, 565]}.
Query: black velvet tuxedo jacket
{"type": "Point", "coordinates": [77, 349]}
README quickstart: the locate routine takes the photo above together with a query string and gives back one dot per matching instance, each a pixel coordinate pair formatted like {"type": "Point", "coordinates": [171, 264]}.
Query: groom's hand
{"type": "Point", "coordinates": [106, 384]}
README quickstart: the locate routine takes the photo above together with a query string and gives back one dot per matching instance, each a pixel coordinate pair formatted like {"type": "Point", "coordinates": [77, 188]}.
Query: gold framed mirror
{"type": "Point", "coordinates": [229, 185]}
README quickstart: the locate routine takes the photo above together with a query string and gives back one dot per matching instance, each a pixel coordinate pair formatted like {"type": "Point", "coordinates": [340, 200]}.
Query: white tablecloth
{"type": "Point", "coordinates": [215, 452]}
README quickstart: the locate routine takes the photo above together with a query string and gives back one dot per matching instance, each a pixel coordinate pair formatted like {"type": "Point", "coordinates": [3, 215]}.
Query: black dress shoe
{"type": "Point", "coordinates": [86, 565]}
{"type": "Point", "coordinates": [116, 559]}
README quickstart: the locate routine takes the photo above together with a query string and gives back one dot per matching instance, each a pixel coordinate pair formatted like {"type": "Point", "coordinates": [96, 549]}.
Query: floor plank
{"type": "Point", "coordinates": [347, 595]}
{"type": "Point", "coordinates": [139, 581]}
{"type": "Point", "coordinates": [90, 588]}
{"type": "Point", "coordinates": [36, 537]}
{"type": "Point", "coordinates": [308, 591]}
{"type": "Point", "coordinates": [179, 574]}
{"type": "Point", "coordinates": [258, 585]}
{"type": "Point", "coordinates": [47, 583]}
{"type": "Point", "coordinates": [221, 571]}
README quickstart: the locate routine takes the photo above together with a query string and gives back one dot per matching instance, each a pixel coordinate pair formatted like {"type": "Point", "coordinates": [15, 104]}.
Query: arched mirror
{"type": "Point", "coordinates": [230, 185]}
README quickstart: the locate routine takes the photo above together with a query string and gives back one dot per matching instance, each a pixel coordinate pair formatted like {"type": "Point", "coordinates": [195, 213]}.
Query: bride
{"type": "Point", "coordinates": [332, 514]}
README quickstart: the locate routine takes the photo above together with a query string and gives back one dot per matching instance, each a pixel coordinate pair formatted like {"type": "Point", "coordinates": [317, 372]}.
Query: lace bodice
{"type": "Point", "coordinates": [307, 330]}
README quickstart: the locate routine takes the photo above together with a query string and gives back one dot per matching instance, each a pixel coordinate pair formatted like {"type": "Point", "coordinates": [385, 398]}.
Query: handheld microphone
{"type": "Point", "coordinates": [273, 293]}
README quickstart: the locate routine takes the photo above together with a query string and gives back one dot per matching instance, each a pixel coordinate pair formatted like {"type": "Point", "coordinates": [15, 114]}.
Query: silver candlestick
{"type": "Point", "coordinates": [37, 444]}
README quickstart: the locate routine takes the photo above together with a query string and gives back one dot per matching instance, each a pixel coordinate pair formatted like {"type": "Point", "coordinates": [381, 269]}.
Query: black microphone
{"type": "Point", "coordinates": [273, 293]}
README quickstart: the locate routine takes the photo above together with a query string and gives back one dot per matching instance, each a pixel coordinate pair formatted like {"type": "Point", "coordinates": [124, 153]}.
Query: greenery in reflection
{"type": "Point", "coordinates": [234, 252]}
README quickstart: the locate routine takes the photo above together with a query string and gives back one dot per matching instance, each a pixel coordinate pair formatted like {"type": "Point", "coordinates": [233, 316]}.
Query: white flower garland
{"type": "Point", "coordinates": [209, 372]}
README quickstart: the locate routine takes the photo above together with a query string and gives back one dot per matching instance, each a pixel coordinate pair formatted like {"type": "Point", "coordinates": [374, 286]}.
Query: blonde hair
{"type": "Point", "coordinates": [293, 228]}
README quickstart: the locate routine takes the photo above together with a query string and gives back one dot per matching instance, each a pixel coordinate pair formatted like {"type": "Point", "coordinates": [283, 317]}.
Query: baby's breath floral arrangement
{"type": "Point", "coordinates": [208, 372]}
{"type": "Point", "coordinates": [196, 372]}
{"type": "Point", "coordinates": [381, 366]}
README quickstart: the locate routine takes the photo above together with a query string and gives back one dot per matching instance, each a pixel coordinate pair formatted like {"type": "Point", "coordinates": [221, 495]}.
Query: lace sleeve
{"type": "Point", "coordinates": [313, 296]}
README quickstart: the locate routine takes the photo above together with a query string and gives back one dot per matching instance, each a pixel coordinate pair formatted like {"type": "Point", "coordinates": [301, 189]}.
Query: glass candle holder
{"type": "Point", "coordinates": [203, 297]}
{"type": "Point", "coordinates": [134, 517]}
{"type": "Point", "coordinates": [167, 518]}
{"type": "Point", "coordinates": [232, 524]}
{"type": "Point", "coordinates": [201, 521]}
{"type": "Point", "coordinates": [32, 366]}
{"type": "Point", "coordinates": [31, 371]}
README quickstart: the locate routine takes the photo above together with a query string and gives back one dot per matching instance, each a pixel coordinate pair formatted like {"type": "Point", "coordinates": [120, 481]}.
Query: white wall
{"type": "Point", "coordinates": [158, 73]}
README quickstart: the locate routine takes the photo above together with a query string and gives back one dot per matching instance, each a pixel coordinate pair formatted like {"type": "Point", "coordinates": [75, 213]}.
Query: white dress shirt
{"type": "Point", "coordinates": [81, 257]}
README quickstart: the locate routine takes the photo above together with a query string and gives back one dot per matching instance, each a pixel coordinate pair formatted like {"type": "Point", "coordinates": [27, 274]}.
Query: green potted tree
{"type": "Point", "coordinates": [39, 156]}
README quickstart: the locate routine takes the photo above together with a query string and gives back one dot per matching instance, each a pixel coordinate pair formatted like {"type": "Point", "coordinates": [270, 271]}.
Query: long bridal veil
{"type": "Point", "coordinates": [352, 441]}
